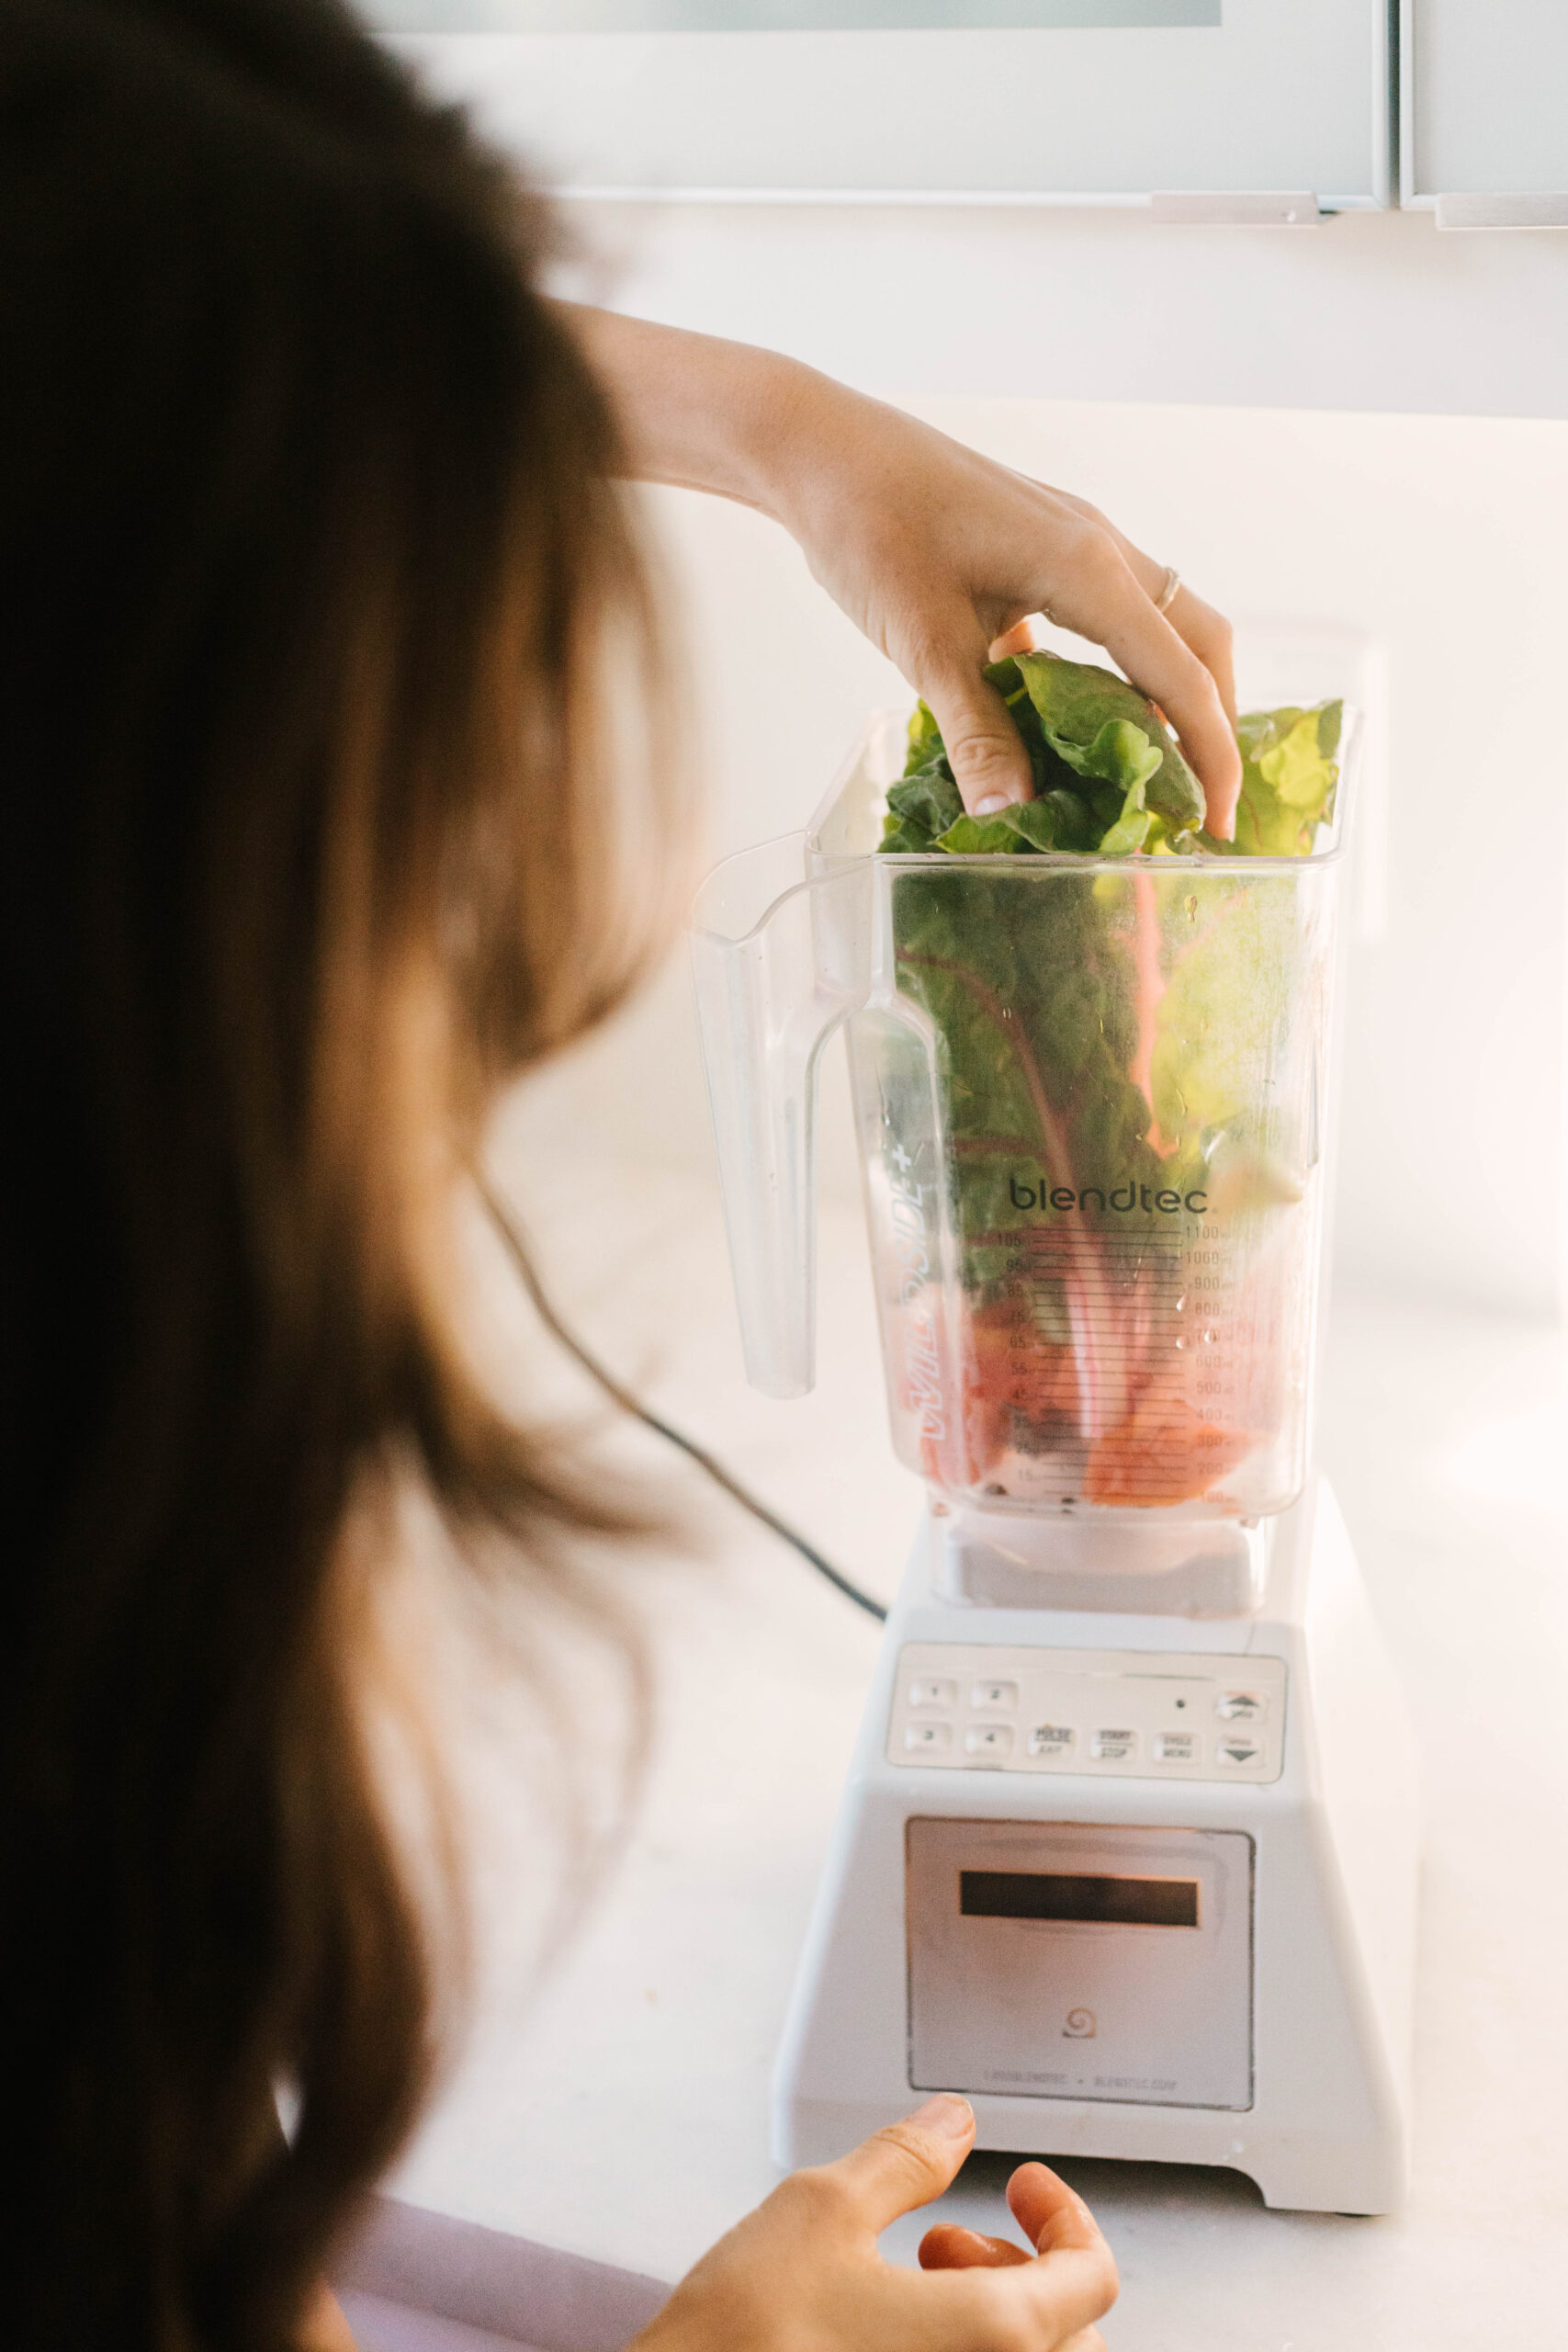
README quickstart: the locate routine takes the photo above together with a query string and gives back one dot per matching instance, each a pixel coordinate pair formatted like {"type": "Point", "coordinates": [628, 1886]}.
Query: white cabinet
{"type": "Point", "coordinates": [1010, 101]}
{"type": "Point", "coordinates": [1485, 111]}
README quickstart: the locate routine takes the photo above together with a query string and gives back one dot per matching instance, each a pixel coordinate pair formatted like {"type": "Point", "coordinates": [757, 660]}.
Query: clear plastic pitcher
{"type": "Point", "coordinates": [1092, 1110]}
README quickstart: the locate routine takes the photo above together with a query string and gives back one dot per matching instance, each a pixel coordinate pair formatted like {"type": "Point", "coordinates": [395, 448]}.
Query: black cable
{"type": "Point", "coordinates": [503, 1217]}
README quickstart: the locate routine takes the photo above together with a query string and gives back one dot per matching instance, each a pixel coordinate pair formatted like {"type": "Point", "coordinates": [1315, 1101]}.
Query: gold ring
{"type": "Point", "coordinates": [1166, 597]}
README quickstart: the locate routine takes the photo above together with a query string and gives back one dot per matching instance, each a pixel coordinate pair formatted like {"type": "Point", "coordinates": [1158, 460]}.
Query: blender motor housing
{"type": "Point", "coordinates": [1111, 1938]}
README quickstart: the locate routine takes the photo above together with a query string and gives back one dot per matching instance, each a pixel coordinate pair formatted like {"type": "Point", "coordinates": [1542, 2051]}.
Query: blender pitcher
{"type": "Point", "coordinates": [1090, 1100]}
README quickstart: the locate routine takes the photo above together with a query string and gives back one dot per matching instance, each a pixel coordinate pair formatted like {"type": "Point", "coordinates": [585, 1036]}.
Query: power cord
{"type": "Point", "coordinates": [508, 1228]}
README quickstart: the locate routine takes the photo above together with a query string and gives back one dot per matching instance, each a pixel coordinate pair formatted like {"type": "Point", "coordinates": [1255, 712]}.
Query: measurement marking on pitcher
{"type": "Point", "coordinates": [1166, 1312]}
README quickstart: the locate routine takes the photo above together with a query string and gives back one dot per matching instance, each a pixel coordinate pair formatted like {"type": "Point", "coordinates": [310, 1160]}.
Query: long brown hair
{"type": "Point", "coordinates": [312, 579]}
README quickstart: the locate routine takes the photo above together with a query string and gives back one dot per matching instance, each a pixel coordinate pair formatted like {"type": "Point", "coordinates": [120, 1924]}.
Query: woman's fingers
{"type": "Point", "coordinates": [1208, 633]}
{"type": "Point", "coordinates": [984, 748]}
{"type": "Point", "coordinates": [1048, 2303]}
{"type": "Point", "coordinates": [904, 2165]}
{"type": "Point", "coordinates": [1101, 599]}
{"type": "Point", "coordinates": [1211, 638]}
{"type": "Point", "coordinates": [1052, 2216]}
{"type": "Point", "coordinates": [948, 2246]}
{"type": "Point", "coordinates": [1050, 2298]}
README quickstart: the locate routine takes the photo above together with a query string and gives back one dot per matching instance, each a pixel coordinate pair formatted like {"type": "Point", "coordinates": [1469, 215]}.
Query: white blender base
{"type": "Point", "coordinates": [1255, 1960]}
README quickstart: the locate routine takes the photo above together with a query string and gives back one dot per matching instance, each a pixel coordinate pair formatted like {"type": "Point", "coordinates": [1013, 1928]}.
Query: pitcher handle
{"type": "Point", "coordinates": [778, 961]}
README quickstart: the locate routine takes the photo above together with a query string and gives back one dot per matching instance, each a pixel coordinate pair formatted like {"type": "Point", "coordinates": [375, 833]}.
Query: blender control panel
{"type": "Point", "coordinates": [1121, 1714]}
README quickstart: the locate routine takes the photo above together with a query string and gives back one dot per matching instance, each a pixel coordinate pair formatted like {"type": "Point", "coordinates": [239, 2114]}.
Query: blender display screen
{"type": "Point", "coordinates": [1052, 1895]}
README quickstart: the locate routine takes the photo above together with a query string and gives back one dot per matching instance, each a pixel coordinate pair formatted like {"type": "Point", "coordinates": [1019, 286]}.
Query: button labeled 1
{"type": "Point", "coordinates": [933, 1690]}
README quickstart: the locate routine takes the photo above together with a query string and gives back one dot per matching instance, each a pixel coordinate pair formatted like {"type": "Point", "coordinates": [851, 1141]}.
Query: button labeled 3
{"type": "Point", "coordinates": [933, 1738]}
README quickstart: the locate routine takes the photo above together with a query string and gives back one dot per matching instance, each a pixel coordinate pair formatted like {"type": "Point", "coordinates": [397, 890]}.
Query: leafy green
{"type": "Point", "coordinates": [981, 837]}
{"type": "Point", "coordinates": [1103, 761]}
{"type": "Point", "coordinates": [1110, 779]}
{"type": "Point", "coordinates": [1100, 726]}
{"type": "Point", "coordinates": [1290, 773]}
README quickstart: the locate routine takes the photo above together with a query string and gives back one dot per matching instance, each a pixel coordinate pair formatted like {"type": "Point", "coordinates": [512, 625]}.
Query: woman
{"type": "Point", "coordinates": [312, 569]}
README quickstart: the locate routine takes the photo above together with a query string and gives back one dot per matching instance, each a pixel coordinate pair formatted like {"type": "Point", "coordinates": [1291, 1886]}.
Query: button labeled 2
{"type": "Point", "coordinates": [994, 1694]}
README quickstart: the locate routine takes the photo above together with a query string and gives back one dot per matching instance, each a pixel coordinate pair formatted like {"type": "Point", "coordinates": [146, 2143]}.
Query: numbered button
{"type": "Point", "coordinates": [1242, 1706]}
{"type": "Point", "coordinates": [988, 1739]}
{"type": "Point", "coordinates": [994, 1694]}
{"type": "Point", "coordinates": [933, 1690]}
{"type": "Point", "coordinates": [930, 1739]}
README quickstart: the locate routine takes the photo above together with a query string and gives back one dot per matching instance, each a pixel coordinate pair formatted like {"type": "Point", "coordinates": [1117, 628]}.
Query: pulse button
{"type": "Point", "coordinates": [1245, 1706]}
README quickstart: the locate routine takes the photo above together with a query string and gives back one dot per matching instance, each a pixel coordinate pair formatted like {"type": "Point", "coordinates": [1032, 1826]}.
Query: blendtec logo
{"type": "Point", "coordinates": [1124, 1198]}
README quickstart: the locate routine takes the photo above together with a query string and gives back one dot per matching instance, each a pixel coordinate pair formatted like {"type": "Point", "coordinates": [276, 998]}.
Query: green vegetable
{"type": "Point", "coordinates": [1289, 774]}
{"type": "Point", "coordinates": [1102, 1025]}
{"type": "Point", "coordinates": [1110, 779]}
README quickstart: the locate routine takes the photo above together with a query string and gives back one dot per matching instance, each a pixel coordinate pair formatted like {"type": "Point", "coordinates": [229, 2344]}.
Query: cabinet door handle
{"type": "Point", "coordinates": [1238, 208]}
{"type": "Point", "coordinates": [1503, 211]}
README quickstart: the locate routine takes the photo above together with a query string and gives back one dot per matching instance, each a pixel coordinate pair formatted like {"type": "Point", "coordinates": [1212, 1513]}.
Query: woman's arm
{"type": "Point", "coordinates": [935, 552]}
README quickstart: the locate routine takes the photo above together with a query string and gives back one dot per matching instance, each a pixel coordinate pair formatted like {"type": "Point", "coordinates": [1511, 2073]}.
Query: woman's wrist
{"type": "Point", "coordinates": [703, 413]}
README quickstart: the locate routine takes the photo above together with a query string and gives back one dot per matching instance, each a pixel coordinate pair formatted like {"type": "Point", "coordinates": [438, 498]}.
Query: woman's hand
{"type": "Point", "coordinates": [802, 2273]}
{"type": "Point", "coordinates": [937, 553]}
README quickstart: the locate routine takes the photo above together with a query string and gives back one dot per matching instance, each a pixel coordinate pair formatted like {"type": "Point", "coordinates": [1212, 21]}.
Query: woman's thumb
{"type": "Point", "coordinates": [908, 2163]}
{"type": "Point", "coordinates": [985, 750]}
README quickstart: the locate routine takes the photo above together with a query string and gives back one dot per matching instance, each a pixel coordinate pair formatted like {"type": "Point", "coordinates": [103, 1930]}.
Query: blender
{"type": "Point", "coordinates": [1127, 1851]}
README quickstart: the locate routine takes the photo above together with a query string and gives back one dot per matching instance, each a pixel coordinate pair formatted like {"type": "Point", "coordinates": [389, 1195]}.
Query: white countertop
{"type": "Point", "coordinates": [619, 2111]}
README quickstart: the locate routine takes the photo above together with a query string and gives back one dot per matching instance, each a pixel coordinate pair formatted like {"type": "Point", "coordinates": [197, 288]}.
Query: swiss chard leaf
{"type": "Point", "coordinates": [1289, 776]}
{"type": "Point", "coordinates": [981, 837]}
{"type": "Point", "coordinates": [1083, 711]}
{"type": "Point", "coordinates": [928, 798]}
